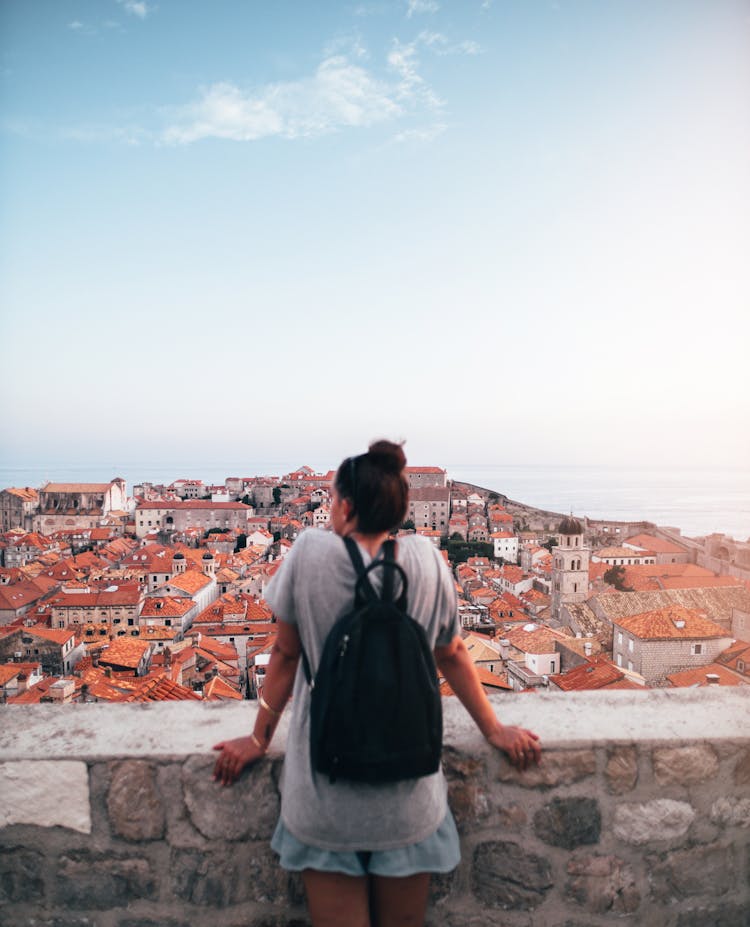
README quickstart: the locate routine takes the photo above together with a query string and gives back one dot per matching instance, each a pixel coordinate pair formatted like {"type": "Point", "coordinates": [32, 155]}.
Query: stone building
{"type": "Point", "coordinates": [55, 649]}
{"type": "Point", "coordinates": [429, 507]}
{"type": "Point", "coordinates": [178, 517]}
{"type": "Point", "coordinates": [663, 550]}
{"type": "Point", "coordinates": [127, 655]}
{"type": "Point", "coordinates": [570, 566]}
{"type": "Point", "coordinates": [667, 640]}
{"type": "Point", "coordinates": [17, 599]}
{"type": "Point", "coordinates": [17, 508]}
{"type": "Point", "coordinates": [199, 586]}
{"type": "Point", "coordinates": [506, 546]}
{"type": "Point", "coordinates": [420, 477]}
{"type": "Point", "coordinates": [66, 506]}
{"type": "Point", "coordinates": [117, 606]}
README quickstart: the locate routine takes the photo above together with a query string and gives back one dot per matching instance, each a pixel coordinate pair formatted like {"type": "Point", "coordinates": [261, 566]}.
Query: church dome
{"type": "Point", "coordinates": [178, 556]}
{"type": "Point", "coordinates": [208, 555]}
{"type": "Point", "coordinates": [570, 525]}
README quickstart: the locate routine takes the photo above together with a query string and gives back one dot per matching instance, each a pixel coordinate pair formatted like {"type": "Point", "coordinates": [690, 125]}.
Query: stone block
{"type": "Point", "coordinates": [684, 765]}
{"type": "Point", "coordinates": [227, 875]}
{"type": "Point", "coordinates": [700, 870]}
{"type": "Point", "coordinates": [88, 880]}
{"type": "Point", "coordinates": [723, 915]}
{"type": "Point", "coordinates": [131, 921]}
{"type": "Point", "coordinates": [602, 884]}
{"type": "Point", "coordinates": [511, 817]}
{"type": "Point", "coordinates": [276, 921]}
{"type": "Point", "coordinates": [731, 812]}
{"type": "Point", "coordinates": [462, 919]}
{"type": "Point", "coordinates": [661, 819]}
{"type": "Point", "coordinates": [31, 791]}
{"type": "Point", "coordinates": [558, 767]}
{"type": "Point", "coordinates": [442, 886]}
{"type": "Point", "coordinates": [569, 822]}
{"type": "Point", "coordinates": [621, 771]}
{"type": "Point", "coordinates": [136, 811]}
{"type": "Point", "coordinates": [58, 920]}
{"type": "Point", "coordinates": [505, 876]}
{"type": "Point", "coordinates": [246, 810]}
{"type": "Point", "coordinates": [467, 792]}
{"type": "Point", "coordinates": [20, 875]}
{"type": "Point", "coordinates": [742, 769]}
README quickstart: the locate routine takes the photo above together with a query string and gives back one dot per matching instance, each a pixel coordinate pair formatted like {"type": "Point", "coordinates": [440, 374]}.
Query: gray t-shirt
{"type": "Point", "coordinates": [312, 589]}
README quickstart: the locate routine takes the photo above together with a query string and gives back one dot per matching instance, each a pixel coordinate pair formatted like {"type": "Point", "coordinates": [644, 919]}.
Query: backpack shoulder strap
{"type": "Point", "coordinates": [391, 567]}
{"type": "Point", "coordinates": [363, 582]}
{"type": "Point", "coordinates": [389, 557]}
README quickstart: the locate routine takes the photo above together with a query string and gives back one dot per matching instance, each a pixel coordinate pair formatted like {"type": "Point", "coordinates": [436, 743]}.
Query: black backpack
{"type": "Point", "coordinates": [375, 711]}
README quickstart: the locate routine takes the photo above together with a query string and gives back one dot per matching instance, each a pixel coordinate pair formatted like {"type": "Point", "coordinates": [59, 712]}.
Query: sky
{"type": "Point", "coordinates": [505, 231]}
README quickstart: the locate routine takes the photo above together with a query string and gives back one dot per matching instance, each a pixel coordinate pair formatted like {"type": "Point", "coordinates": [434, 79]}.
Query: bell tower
{"type": "Point", "coordinates": [570, 566]}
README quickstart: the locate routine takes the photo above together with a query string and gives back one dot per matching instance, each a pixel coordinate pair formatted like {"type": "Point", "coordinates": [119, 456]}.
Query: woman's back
{"type": "Point", "coordinates": [311, 591]}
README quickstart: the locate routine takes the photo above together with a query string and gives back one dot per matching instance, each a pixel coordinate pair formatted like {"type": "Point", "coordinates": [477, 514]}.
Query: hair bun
{"type": "Point", "coordinates": [388, 456]}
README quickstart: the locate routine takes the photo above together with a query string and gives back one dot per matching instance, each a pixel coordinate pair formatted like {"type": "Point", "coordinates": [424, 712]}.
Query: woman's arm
{"type": "Point", "coordinates": [240, 752]}
{"type": "Point", "coordinates": [521, 746]}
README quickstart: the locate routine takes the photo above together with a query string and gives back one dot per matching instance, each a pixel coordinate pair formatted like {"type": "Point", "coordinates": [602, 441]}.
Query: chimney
{"type": "Point", "coordinates": [712, 679]}
{"type": "Point", "coordinates": [587, 648]}
{"type": "Point", "coordinates": [504, 647]}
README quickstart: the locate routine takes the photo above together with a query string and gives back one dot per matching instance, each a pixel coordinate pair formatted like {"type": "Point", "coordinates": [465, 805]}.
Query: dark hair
{"type": "Point", "coordinates": [376, 486]}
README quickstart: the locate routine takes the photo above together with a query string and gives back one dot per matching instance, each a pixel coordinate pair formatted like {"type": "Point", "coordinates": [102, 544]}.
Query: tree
{"type": "Point", "coordinates": [277, 495]}
{"type": "Point", "coordinates": [408, 525]}
{"type": "Point", "coordinates": [459, 551]}
{"type": "Point", "coordinates": [550, 543]}
{"type": "Point", "coordinates": [615, 576]}
{"type": "Point", "coordinates": [241, 542]}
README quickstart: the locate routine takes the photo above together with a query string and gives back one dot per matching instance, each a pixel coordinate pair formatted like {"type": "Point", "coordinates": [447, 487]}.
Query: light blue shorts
{"type": "Point", "coordinates": [440, 852]}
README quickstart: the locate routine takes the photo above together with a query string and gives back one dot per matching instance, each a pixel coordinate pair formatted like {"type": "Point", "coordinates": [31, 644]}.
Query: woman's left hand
{"type": "Point", "coordinates": [235, 756]}
{"type": "Point", "coordinates": [520, 745]}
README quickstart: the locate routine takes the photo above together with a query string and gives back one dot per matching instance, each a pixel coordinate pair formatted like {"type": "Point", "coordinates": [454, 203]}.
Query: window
{"type": "Point", "coordinates": [619, 638]}
{"type": "Point", "coordinates": [619, 659]}
{"type": "Point", "coordinates": [630, 665]}
{"type": "Point", "coordinates": [630, 644]}
{"type": "Point", "coordinates": [696, 649]}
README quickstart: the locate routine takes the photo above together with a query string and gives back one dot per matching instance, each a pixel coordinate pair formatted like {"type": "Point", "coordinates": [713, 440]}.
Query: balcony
{"type": "Point", "coordinates": [639, 814]}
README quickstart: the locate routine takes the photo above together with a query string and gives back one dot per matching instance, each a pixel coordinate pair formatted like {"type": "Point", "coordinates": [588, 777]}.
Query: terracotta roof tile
{"type": "Point", "coordinates": [674, 621]}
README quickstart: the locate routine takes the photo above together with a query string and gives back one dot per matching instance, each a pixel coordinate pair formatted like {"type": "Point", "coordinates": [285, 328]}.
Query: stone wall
{"type": "Point", "coordinates": [639, 814]}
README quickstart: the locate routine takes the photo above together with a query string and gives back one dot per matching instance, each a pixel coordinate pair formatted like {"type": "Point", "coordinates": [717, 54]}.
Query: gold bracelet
{"type": "Point", "coordinates": [257, 743]}
{"type": "Point", "coordinates": [264, 704]}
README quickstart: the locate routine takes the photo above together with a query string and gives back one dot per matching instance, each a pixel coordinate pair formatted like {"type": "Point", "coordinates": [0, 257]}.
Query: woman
{"type": "Point", "coordinates": [365, 852]}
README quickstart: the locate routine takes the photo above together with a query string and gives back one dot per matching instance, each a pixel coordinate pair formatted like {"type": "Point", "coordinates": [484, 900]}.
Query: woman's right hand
{"type": "Point", "coordinates": [520, 745]}
{"type": "Point", "coordinates": [235, 756]}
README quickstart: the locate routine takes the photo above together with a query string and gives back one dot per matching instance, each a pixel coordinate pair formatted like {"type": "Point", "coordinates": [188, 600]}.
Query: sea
{"type": "Point", "coordinates": [699, 501]}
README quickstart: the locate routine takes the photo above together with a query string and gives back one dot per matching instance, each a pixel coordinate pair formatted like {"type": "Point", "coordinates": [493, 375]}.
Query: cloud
{"type": "Point", "coordinates": [420, 134]}
{"type": "Point", "coordinates": [82, 28]}
{"type": "Point", "coordinates": [404, 61]}
{"type": "Point", "coordinates": [138, 8]}
{"type": "Point", "coordinates": [440, 45]}
{"type": "Point", "coordinates": [421, 6]}
{"type": "Point", "coordinates": [339, 94]}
